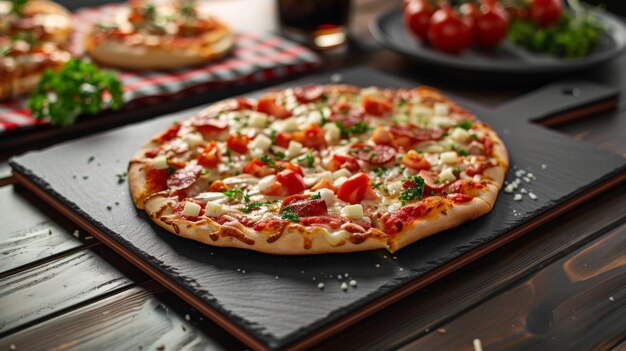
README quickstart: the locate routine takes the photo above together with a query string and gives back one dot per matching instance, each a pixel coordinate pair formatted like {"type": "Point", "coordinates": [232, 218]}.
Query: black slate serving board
{"type": "Point", "coordinates": [273, 302]}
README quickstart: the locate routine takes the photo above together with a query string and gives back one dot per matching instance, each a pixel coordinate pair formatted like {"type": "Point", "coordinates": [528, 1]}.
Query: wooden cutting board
{"type": "Point", "coordinates": [273, 302]}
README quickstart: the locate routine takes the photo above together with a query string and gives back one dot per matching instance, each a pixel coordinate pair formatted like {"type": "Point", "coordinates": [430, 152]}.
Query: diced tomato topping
{"type": "Point", "coordinates": [292, 166]}
{"type": "Point", "coordinates": [176, 164]}
{"type": "Point", "coordinates": [239, 104]}
{"type": "Point", "coordinates": [460, 198]}
{"type": "Point", "coordinates": [268, 105]}
{"type": "Point", "coordinates": [258, 168]}
{"type": "Point", "coordinates": [356, 188]}
{"type": "Point", "coordinates": [311, 137]}
{"type": "Point", "coordinates": [308, 93]}
{"type": "Point", "coordinates": [342, 161]}
{"type": "Point", "coordinates": [309, 208]}
{"type": "Point", "coordinates": [152, 153]}
{"type": "Point", "coordinates": [415, 161]}
{"type": "Point", "coordinates": [276, 189]}
{"type": "Point", "coordinates": [218, 186]}
{"type": "Point", "coordinates": [376, 155]}
{"type": "Point", "coordinates": [272, 224]}
{"type": "Point", "coordinates": [395, 221]}
{"type": "Point", "coordinates": [292, 181]}
{"type": "Point", "coordinates": [324, 184]}
{"type": "Point", "coordinates": [183, 178]}
{"type": "Point", "coordinates": [156, 179]}
{"type": "Point", "coordinates": [238, 143]}
{"type": "Point", "coordinates": [377, 106]}
{"type": "Point", "coordinates": [210, 157]}
{"type": "Point", "coordinates": [283, 139]}
{"type": "Point", "coordinates": [169, 134]}
{"type": "Point", "coordinates": [488, 145]}
{"type": "Point", "coordinates": [382, 136]}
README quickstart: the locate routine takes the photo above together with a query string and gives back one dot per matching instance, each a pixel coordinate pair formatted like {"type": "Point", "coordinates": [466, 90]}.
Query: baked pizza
{"type": "Point", "coordinates": [159, 35]}
{"type": "Point", "coordinates": [320, 169]}
{"type": "Point", "coordinates": [42, 20]}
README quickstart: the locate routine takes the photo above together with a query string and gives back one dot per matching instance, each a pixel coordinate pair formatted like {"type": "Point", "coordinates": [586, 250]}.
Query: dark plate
{"type": "Point", "coordinates": [390, 31]}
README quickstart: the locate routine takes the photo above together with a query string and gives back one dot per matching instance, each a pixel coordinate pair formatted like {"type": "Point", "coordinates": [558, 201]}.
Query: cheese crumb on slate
{"type": "Point", "coordinates": [276, 277]}
{"type": "Point", "coordinates": [611, 298]}
{"type": "Point", "coordinates": [517, 197]}
{"type": "Point", "coordinates": [13, 347]}
{"type": "Point", "coordinates": [344, 286]}
{"type": "Point", "coordinates": [478, 346]}
{"type": "Point", "coordinates": [76, 233]}
{"type": "Point", "coordinates": [320, 285]}
{"type": "Point", "coordinates": [544, 166]}
{"type": "Point", "coordinates": [377, 265]}
{"type": "Point", "coordinates": [353, 283]}
{"type": "Point", "coordinates": [532, 196]}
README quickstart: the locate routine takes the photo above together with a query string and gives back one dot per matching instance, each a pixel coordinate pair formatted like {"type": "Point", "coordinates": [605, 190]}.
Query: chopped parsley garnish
{"type": "Point", "coordinates": [18, 6]}
{"type": "Point", "coordinates": [376, 185]}
{"type": "Point", "coordinates": [380, 171]}
{"type": "Point", "coordinates": [474, 136]}
{"type": "Point", "coordinates": [290, 216]}
{"type": "Point", "coordinates": [79, 87]}
{"type": "Point", "coordinates": [309, 159]}
{"type": "Point", "coordinates": [460, 150]}
{"type": "Point", "coordinates": [267, 160]}
{"type": "Point", "coordinates": [456, 170]}
{"type": "Point", "coordinates": [254, 206]}
{"type": "Point", "coordinates": [415, 191]}
{"type": "Point", "coordinates": [359, 128]}
{"type": "Point", "coordinates": [315, 196]}
{"type": "Point", "coordinates": [238, 194]}
{"type": "Point", "coordinates": [91, 159]}
{"type": "Point", "coordinates": [273, 136]}
{"type": "Point", "coordinates": [229, 154]}
{"type": "Point", "coordinates": [280, 155]}
{"type": "Point", "coordinates": [205, 172]}
{"type": "Point", "coordinates": [467, 125]}
{"type": "Point", "coordinates": [121, 177]}
{"type": "Point", "coordinates": [171, 170]}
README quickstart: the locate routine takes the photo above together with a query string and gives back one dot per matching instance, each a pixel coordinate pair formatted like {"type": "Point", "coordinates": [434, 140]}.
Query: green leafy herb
{"type": "Point", "coordinates": [309, 159]}
{"type": "Point", "coordinates": [460, 150]}
{"type": "Point", "coordinates": [91, 159]}
{"type": "Point", "coordinates": [576, 33]}
{"type": "Point", "coordinates": [170, 170]}
{"type": "Point", "coordinates": [415, 191]}
{"type": "Point", "coordinates": [359, 128]}
{"type": "Point", "coordinates": [288, 215]}
{"type": "Point", "coordinates": [380, 171]}
{"type": "Point", "coordinates": [79, 87]}
{"type": "Point", "coordinates": [254, 206]}
{"type": "Point", "coordinates": [238, 194]}
{"type": "Point", "coordinates": [280, 155]}
{"type": "Point", "coordinates": [18, 6]}
{"type": "Point", "coordinates": [474, 136]}
{"type": "Point", "coordinates": [229, 155]}
{"type": "Point", "coordinates": [376, 185]}
{"type": "Point", "coordinates": [268, 160]}
{"type": "Point", "coordinates": [467, 125]}
{"type": "Point", "coordinates": [315, 196]}
{"type": "Point", "coordinates": [121, 177]}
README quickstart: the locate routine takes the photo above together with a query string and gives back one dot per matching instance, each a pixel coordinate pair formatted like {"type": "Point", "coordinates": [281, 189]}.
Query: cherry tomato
{"type": "Point", "coordinates": [448, 32]}
{"type": "Point", "coordinates": [258, 168]}
{"type": "Point", "coordinates": [375, 155]}
{"type": "Point", "coordinates": [417, 14]}
{"type": "Point", "coordinates": [169, 134]}
{"type": "Point", "coordinates": [355, 189]}
{"type": "Point", "coordinates": [377, 106]}
{"type": "Point", "coordinates": [491, 25]}
{"type": "Point", "coordinates": [291, 180]}
{"type": "Point", "coordinates": [343, 161]}
{"type": "Point", "coordinates": [238, 143]}
{"type": "Point", "coordinates": [268, 105]}
{"type": "Point", "coordinates": [546, 12]}
{"type": "Point", "coordinates": [210, 157]}
{"type": "Point", "coordinates": [415, 161]}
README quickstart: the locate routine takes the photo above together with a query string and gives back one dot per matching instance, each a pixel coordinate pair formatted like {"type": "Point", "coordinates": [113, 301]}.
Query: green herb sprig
{"type": "Point", "coordinates": [79, 87]}
{"type": "Point", "coordinates": [416, 191]}
{"type": "Point", "coordinates": [290, 216]}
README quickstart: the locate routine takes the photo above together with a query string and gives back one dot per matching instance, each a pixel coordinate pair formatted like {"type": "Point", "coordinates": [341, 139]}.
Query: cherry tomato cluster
{"type": "Point", "coordinates": [483, 23]}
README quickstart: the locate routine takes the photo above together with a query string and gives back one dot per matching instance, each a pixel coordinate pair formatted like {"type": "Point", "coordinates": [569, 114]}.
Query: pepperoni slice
{"type": "Point", "coordinates": [308, 93]}
{"type": "Point", "coordinates": [169, 134]}
{"type": "Point", "coordinates": [416, 133]}
{"type": "Point", "coordinates": [377, 106]}
{"type": "Point", "coordinates": [346, 115]}
{"type": "Point", "coordinates": [308, 208]}
{"type": "Point", "coordinates": [184, 177]}
{"type": "Point", "coordinates": [375, 155]}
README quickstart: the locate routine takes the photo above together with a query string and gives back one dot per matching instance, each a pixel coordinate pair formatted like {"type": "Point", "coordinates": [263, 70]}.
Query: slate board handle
{"type": "Point", "coordinates": [559, 102]}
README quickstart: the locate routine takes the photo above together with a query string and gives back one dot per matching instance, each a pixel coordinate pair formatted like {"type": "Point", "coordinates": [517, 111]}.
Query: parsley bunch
{"type": "Point", "coordinates": [79, 87]}
{"type": "Point", "coordinates": [416, 191]}
{"type": "Point", "coordinates": [289, 215]}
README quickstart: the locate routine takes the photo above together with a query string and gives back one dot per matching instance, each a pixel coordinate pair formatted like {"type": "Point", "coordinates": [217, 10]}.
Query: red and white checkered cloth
{"type": "Point", "coordinates": [255, 58]}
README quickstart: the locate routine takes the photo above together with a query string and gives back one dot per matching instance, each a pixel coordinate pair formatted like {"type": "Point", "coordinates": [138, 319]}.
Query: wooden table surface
{"type": "Point", "coordinates": [560, 287]}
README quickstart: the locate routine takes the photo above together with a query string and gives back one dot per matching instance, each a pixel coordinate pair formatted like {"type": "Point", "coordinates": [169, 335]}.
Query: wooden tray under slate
{"type": "Point", "coordinates": [273, 302]}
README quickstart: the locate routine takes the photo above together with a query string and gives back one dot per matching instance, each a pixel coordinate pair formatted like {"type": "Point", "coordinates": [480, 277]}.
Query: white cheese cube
{"type": "Point", "coordinates": [193, 139]}
{"type": "Point", "coordinates": [332, 132]}
{"type": "Point", "coordinates": [160, 162]}
{"type": "Point", "coordinates": [325, 175]}
{"type": "Point", "coordinates": [434, 148]}
{"type": "Point", "coordinates": [460, 135]}
{"type": "Point", "coordinates": [447, 174]}
{"type": "Point", "coordinates": [342, 172]}
{"type": "Point", "coordinates": [315, 117]}
{"type": "Point", "coordinates": [352, 211]}
{"type": "Point", "coordinates": [266, 182]}
{"type": "Point", "coordinates": [441, 109]}
{"type": "Point", "coordinates": [328, 196]}
{"type": "Point", "coordinates": [213, 210]}
{"type": "Point", "coordinates": [448, 157]}
{"type": "Point", "coordinates": [290, 125]}
{"type": "Point", "coordinates": [441, 122]}
{"type": "Point", "coordinates": [257, 120]}
{"type": "Point", "coordinates": [340, 181]}
{"type": "Point", "coordinates": [191, 209]}
{"type": "Point", "coordinates": [294, 149]}
{"type": "Point", "coordinates": [260, 142]}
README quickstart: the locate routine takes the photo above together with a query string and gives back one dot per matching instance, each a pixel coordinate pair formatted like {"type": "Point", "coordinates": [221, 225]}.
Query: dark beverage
{"type": "Point", "coordinates": [320, 23]}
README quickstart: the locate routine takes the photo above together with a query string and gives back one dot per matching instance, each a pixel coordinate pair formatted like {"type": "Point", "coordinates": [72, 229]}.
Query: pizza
{"type": "Point", "coordinates": [40, 19]}
{"type": "Point", "coordinates": [32, 40]}
{"type": "Point", "coordinates": [320, 169]}
{"type": "Point", "coordinates": [159, 35]}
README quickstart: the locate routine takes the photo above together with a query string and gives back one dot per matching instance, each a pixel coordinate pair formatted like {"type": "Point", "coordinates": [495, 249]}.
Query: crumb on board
{"type": "Point", "coordinates": [353, 283]}
{"type": "Point", "coordinates": [344, 286]}
{"type": "Point", "coordinates": [478, 346]}
{"type": "Point", "coordinates": [76, 233]}
{"type": "Point", "coordinates": [320, 286]}
{"type": "Point", "coordinates": [187, 318]}
{"type": "Point", "coordinates": [532, 196]}
{"type": "Point", "coordinates": [517, 197]}
{"type": "Point", "coordinates": [441, 331]}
